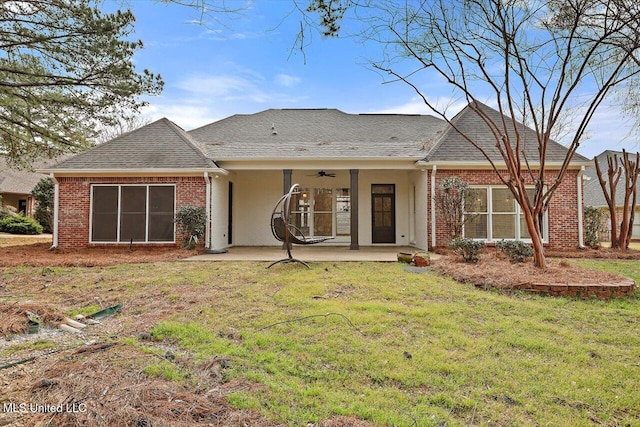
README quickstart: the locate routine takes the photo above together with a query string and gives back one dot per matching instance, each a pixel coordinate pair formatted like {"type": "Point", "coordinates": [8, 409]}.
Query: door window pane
{"type": "Point", "coordinates": [343, 212]}
{"type": "Point", "coordinates": [323, 200]}
{"type": "Point", "coordinates": [322, 224]}
{"type": "Point", "coordinates": [104, 224]}
{"type": "Point", "coordinates": [383, 188]}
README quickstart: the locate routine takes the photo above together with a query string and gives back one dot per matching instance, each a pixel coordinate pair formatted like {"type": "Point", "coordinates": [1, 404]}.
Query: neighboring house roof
{"type": "Point", "coordinates": [18, 181]}
{"type": "Point", "coordinates": [453, 147]}
{"type": "Point", "coordinates": [593, 195]}
{"type": "Point", "coordinates": [158, 145]}
{"type": "Point", "coordinates": [318, 133]}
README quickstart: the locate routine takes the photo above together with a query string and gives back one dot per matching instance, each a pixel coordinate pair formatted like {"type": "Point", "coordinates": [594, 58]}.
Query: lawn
{"type": "Point", "coordinates": [366, 340]}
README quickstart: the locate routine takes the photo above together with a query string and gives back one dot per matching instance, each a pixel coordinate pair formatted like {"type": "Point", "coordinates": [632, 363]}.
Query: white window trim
{"type": "Point", "coordinates": [518, 213]}
{"type": "Point", "coordinates": [146, 233]}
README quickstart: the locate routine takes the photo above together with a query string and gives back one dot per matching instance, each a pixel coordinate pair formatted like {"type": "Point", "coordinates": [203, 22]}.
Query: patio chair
{"type": "Point", "coordinates": [286, 232]}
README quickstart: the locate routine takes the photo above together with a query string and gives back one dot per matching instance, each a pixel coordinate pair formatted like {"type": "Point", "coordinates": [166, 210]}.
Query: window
{"type": "Point", "coordinates": [322, 212]}
{"type": "Point", "coordinates": [492, 214]}
{"type": "Point", "coordinates": [138, 213]}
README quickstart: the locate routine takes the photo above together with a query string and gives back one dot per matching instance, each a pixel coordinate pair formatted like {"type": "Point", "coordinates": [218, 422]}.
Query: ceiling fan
{"type": "Point", "coordinates": [322, 174]}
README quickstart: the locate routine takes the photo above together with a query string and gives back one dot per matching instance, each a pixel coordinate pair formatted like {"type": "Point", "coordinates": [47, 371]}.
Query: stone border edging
{"type": "Point", "coordinates": [602, 291]}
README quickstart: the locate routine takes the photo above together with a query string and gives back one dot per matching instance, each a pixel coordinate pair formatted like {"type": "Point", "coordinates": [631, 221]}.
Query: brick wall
{"type": "Point", "coordinates": [563, 214]}
{"type": "Point", "coordinates": [75, 196]}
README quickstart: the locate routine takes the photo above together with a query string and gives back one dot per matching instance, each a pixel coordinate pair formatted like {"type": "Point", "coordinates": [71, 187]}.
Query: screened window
{"type": "Point", "coordinates": [492, 213]}
{"type": "Point", "coordinates": [133, 213]}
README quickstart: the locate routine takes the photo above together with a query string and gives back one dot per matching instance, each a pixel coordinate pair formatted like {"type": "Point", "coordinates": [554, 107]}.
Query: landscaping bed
{"type": "Point", "coordinates": [559, 278]}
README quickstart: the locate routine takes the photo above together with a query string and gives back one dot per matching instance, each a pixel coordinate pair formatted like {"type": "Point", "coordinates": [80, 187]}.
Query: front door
{"type": "Point", "coordinates": [383, 213]}
{"type": "Point", "coordinates": [22, 206]}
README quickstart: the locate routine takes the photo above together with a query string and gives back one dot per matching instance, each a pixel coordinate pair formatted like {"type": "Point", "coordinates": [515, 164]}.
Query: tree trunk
{"type": "Point", "coordinates": [533, 226]}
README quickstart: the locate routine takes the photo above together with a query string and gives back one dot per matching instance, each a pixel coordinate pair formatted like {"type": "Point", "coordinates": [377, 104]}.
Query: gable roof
{"type": "Point", "coordinates": [593, 194]}
{"type": "Point", "coordinates": [158, 145]}
{"type": "Point", "coordinates": [319, 134]}
{"type": "Point", "coordinates": [453, 147]}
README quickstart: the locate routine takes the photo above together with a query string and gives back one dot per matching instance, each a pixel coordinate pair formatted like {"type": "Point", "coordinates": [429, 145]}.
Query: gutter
{"type": "Point", "coordinates": [580, 208]}
{"type": "Point", "coordinates": [56, 206]}
{"type": "Point", "coordinates": [207, 230]}
{"type": "Point", "coordinates": [433, 206]}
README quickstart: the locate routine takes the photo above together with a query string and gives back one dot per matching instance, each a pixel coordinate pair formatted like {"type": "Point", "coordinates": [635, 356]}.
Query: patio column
{"type": "Point", "coordinates": [353, 191]}
{"type": "Point", "coordinates": [286, 174]}
{"type": "Point", "coordinates": [219, 214]}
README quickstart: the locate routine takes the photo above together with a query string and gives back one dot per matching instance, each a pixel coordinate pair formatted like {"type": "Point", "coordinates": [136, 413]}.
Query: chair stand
{"type": "Point", "coordinates": [288, 260]}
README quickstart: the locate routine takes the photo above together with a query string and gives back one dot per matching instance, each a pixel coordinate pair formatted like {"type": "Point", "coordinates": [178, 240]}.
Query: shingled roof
{"type": "Point", "coordinates": [21, 181]}
{"type": "Point", "coordinates": [318, 133]}
{"type": "Point", "coordinates": [159, 145]}
{"type": "Point", "coordinates": [453, 147]}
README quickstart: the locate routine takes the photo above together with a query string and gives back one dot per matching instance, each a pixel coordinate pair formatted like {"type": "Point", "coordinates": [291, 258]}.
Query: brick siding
{"type": "Point", "coordinates": [75, 196]}
{"type": "Point", "coordinates": [563, 217]}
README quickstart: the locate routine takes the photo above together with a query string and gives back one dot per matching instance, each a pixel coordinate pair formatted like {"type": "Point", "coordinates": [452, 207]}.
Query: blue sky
{"type": "Point", "coordinates": [248, 64]}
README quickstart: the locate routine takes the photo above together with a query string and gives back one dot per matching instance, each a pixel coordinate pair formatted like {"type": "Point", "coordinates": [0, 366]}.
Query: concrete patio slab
{"type": "Point", "coordinates": [310, 254]}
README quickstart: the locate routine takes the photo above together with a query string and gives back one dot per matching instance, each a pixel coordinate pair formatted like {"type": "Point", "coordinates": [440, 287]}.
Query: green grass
{"type": "Point", "coordinates": [336, 340]}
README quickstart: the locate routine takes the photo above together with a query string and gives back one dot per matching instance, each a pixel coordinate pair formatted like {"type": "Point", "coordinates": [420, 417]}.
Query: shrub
{"type": "Point", "coordinates": [192, 221]}
{"type": "Point", "coordinates": [516, 250]}
{"type": "Point", "coordinates": [19, 224]}
{"type": "Point", "coordinates": [593, 218]}
{"type": "Point", "coordinates": [43, 193]}
{"type": "Point", "coordinates": [469, 249]}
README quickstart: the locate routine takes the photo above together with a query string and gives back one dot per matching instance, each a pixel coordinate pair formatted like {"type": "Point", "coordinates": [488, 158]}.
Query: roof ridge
{"type": "Point", "coordinates": [188, 140]}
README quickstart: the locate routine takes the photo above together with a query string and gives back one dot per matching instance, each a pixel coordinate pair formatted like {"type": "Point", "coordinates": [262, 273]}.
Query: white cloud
{"type": "Point", "coordinates": [287, 80]}
{"type": "Point", "coordinates": [185, 114]}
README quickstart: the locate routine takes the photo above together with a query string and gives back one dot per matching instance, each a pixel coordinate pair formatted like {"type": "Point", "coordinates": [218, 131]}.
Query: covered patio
{"type": "Point", "coordinates": [310, 254]}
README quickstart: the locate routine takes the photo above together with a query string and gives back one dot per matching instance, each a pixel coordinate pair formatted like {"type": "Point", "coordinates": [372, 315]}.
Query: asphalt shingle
{"type": "Point", "coordinates": [318, 133]}
{"type": "Point", "coordinates": [452, 146]}
{"type": "Point", "coordinates": [160, 145]}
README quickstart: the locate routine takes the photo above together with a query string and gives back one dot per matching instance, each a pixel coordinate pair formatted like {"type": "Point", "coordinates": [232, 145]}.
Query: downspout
{"type": "Point", "coordinates": [433, 206]}
{"type": "Point", "coordinates": [580, 209]}
{"type": "Point", "coordinates": [56, 205]}
{"type": "Point", "coordinates": [207, 204]}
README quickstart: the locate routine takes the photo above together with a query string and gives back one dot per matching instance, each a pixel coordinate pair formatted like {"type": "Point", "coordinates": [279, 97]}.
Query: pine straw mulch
{"type": "Point", "coordinates": [494, 270]}
{"type": "Point", "coordinates": [39, 255]}
{"type": "Point", "coordinates": [15, 317]}
{"type": "Point", "coordinates": [103, 384]}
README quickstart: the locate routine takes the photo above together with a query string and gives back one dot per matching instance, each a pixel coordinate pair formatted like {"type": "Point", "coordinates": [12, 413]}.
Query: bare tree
{"type": "Point", "coordinates": [538, 62]}
{"type": "Point", "coordinates": [451, 197]}
{"type": "Point", "coordinates": [618, 168]}
{"type": "Point", "coordinates": [121, 126]}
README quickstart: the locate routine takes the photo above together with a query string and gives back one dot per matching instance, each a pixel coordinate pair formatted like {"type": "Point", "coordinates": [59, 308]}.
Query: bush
{"type": "Point", "coordinates": [469, 249]}
{"type": "Point", "coordinates": [20, 225]}
{"type": "Point", "coordinates": [516, 250]}
{"type": "Point", "coordinates": [192, 221]}
{"type": "Point", "coordinates": [593, 218]}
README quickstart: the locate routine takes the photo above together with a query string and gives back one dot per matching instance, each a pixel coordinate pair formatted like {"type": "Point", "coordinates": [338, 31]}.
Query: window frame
{"type": "Point", "coordinates": [309, 213]}
{"type": "Point", "coordinates": [518, 216]}
{"type": "Point", "coordinates": [118, 240]}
